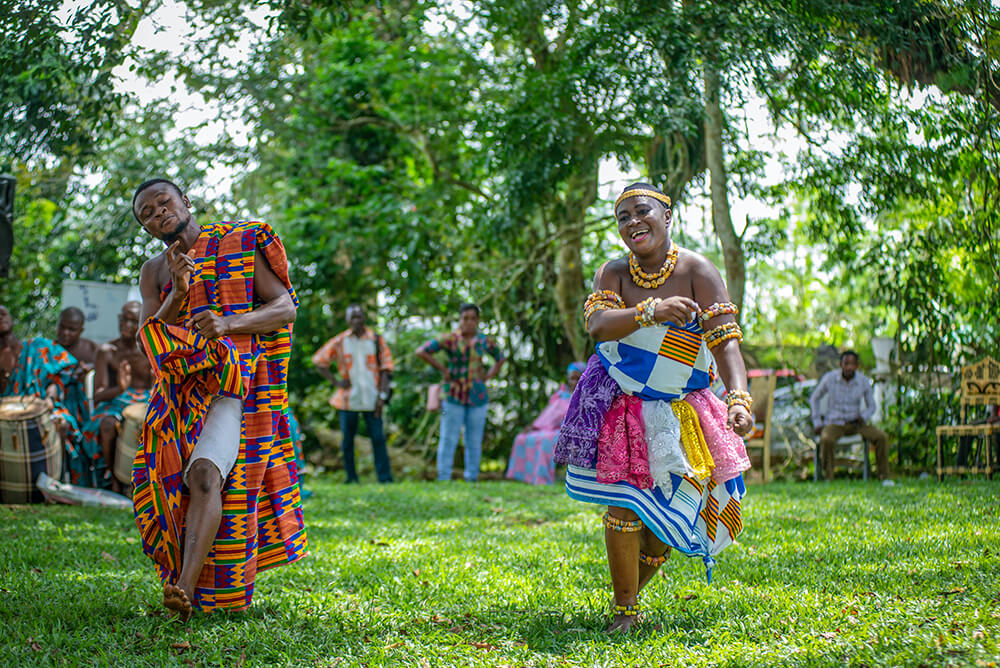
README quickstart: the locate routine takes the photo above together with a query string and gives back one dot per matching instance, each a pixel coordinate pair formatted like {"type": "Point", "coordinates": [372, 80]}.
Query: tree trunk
{"type": "Point", "coordinates": [732, 246]}
{"type": "Point", "coordinates": [571, 286]}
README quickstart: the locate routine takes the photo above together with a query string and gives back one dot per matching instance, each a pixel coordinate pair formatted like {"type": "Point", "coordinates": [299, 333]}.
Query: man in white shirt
{"type": "Point", "coordinates": [364, 364]}
{"type": "Point", "coordinates": [847, 389]}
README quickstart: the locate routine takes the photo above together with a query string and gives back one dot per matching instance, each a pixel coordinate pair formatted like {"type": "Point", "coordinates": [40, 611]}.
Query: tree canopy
{"type": "Point", "coordinates": [419, 154]}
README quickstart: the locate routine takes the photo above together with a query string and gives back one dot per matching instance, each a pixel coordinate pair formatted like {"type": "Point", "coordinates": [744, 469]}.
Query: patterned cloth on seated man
{"type": "Point", "coordinates": [645, 432]}
{"type": "Point", "coordinates": [90, 467]}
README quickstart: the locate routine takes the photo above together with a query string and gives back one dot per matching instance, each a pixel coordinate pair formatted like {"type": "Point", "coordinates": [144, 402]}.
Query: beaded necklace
{"type": "Point", "coordinates": [648, 281]}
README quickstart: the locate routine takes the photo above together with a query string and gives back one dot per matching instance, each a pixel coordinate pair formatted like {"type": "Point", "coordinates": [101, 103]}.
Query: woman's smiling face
{"type": "Point", "coordinates": [643, 223]}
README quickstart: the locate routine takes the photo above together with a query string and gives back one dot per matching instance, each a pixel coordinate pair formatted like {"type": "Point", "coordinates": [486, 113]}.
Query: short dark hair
{"type": "Point", "coordinates": [72, 311]}
{"type": "Point", "coordinates": [147, 184]}
{"type": "Point", "coordinates": [849, 352]}
{"type": "Point", "coordinates": [468, 307]}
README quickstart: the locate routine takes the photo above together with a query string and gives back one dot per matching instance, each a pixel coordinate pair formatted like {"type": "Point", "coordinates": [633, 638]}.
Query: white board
{"type": "Point", "coordinates": [101, 303]}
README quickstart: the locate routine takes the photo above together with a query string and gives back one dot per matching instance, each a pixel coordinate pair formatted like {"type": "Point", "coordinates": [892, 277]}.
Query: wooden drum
{"type": "Point", "coordinates": [130, 430]}
{"type": "Point", "coordinates": [29, 446]}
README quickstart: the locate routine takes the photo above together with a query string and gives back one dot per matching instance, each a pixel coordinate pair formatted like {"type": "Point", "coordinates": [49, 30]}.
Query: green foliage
{"type": "Point", "coordinates": [57, 95]}
{"type": "Point", "coordinates": [506, 574]}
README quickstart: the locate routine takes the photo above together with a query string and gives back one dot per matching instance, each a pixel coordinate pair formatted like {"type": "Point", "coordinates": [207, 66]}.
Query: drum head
{"type": "Point", "coordinates": [22, 408]}
{"type": "Point", "coordinates": [135, 412]}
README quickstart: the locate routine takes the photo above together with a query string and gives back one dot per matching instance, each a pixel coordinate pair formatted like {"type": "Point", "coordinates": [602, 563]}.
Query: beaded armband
{"type": "Point", "coordinates": [717, 309]}
{"type": "Point", "coordinates": [645, 311]}
{"type": "Point", "coordinates": [716, 336]}
{"type": "Point", "coordinates": [601, 300]}
{"type": "Point", "coordinates": [739, 398]}
{"type": "Point", "coordinates": [622, 526]}
{"type": "Point", "coordinates": [653, 561]}
{"type": "Point", "coordinates": [627, 610]}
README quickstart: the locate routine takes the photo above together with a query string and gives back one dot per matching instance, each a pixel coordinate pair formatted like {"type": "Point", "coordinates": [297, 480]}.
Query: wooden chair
{"type": "Point", "coordinates": [980, 387]}
{"type": "Point", "coordinates": [762, 391]}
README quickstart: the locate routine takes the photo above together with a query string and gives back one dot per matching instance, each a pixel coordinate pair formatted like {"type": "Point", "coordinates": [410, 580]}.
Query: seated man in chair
{"type": "Point", "coordinates": [847, 387]}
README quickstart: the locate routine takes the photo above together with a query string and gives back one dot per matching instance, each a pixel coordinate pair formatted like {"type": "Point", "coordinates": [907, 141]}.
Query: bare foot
{"type": "Point", "coordinates": [175, 599]}
{"type": "Point", "coordinates": [622, 624]}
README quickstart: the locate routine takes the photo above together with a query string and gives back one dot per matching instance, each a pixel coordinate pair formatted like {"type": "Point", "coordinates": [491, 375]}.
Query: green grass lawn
{"type": "Point", "coordinates": [502, 573]}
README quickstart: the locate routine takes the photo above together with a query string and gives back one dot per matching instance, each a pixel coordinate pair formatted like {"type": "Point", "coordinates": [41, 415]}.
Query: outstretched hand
{"type": "Point", "coordinates": [739, 420]}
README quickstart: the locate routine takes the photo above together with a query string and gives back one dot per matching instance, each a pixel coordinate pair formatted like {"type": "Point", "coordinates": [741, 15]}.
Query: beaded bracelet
{"type": "Point", "coordinates": [653, 561]}
{"type": "Point", "coordinates": [601, 300]}
{"type": "Point", "coordinates": [645, 311]}
{"type": "Point", "coordinates": [717, 309]}
{"type": "Point", "coordinates": [627, 610]}
{"type": "Point", "coordinates": [716, 336]}
{"type": "Point", "coordinates": [620, 525]}
{"type": "Point", "coordinates": [739, 398]}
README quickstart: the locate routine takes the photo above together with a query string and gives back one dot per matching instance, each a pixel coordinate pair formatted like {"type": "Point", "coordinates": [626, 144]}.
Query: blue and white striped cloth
{"type": "Point", "coordinates": [694, 518]}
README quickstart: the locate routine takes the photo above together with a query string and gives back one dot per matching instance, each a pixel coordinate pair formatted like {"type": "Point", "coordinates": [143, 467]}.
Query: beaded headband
{"type": "Point", "coordinates": [636, 192]}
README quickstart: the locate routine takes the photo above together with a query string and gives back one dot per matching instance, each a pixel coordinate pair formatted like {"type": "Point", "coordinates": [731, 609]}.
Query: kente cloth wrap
{"type": "Point", "coordinates": [262, 522]}
{"type": "Point", "coordinates": [660, 362]}
{"type": "Point", "coordinates": [91, 466]}
{"type": "Point", "coordinates": [531, 458]}
{"type": "Point", "coordinates": [621, 447]}
{"type": "Point", "coordinates": [42, 363]}
{"type": "Point", "coordinates": [690, 489]}
{"type": "Point", "coordinates": [584, 419]}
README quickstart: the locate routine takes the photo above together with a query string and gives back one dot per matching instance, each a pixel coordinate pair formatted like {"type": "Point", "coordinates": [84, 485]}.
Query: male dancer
{"type": "Point", "coordinates": [217, 499]}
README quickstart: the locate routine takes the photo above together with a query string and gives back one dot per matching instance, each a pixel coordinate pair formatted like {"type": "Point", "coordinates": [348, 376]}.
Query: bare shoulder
{"type": "Point", "coordinates": [694, 263]}
{"type": "Point", "coordinates": [609, 276]}
{"type": "Point", "coordinates": [153, 269]}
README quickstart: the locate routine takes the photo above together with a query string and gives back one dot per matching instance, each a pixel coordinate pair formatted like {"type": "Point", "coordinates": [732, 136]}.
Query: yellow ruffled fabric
{"type": "Point", "coordinates": [693, 440]}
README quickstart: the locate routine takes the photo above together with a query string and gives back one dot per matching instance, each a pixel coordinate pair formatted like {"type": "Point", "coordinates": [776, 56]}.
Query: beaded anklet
{"type": "Point", "coordinates": [622, 526]}
{"type": "Point", "coordinates": [653, 561]}
{"type": "Point", "coordinates": [627, 610]}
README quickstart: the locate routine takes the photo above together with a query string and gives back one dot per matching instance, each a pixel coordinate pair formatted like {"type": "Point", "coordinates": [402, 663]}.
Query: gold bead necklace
{"type": "Point", "coordinates": [649, 281]}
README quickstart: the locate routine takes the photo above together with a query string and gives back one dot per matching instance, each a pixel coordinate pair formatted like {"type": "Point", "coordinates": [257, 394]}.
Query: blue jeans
{"type": "Point", "coordinates": [453, 417]}
{"type": "Point", "coordinates": [349, 427]}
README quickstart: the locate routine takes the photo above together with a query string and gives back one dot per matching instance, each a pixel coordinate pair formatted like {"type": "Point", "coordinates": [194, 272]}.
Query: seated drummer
{"type": "Point", "coordinates": [43, 368]}
{"type": "Point", "coordinates": [69, 335]}
{"type": "Point", "coordinates": [121, 377]}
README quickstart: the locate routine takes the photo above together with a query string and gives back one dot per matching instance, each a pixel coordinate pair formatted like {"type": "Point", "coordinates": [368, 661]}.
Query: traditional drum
{"type": "Point", "coordinates": [128, 441]}
{"type": "Point", "coordinates": [29, 446]}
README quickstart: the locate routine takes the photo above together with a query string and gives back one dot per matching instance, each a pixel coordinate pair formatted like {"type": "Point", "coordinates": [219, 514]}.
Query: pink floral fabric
{"type": "Point", "coordinates": [728, 450]}
{"type": "Point", "coordinates": [621, 447]}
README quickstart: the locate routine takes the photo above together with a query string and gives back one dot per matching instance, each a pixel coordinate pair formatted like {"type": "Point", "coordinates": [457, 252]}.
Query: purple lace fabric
{"type": "Point", "coordinates": [728, 450]}
{"type": "Point", "coordinates": [577, 444]}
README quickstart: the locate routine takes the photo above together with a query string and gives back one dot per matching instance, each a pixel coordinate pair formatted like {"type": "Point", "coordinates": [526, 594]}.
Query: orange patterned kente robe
{"type": "Point", "coordinates": [261, 510]}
